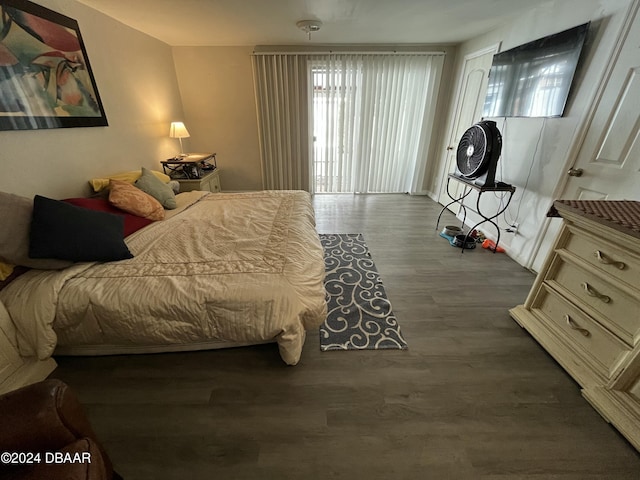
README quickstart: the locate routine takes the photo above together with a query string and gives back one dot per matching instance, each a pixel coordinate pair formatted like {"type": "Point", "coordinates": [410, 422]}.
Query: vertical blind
{"type": "Point", "coordinates": [282, 103]}
{"type": "Point", "coordinates": [372, 120]}
{"type": "Point", "coordinates": [371, 116]}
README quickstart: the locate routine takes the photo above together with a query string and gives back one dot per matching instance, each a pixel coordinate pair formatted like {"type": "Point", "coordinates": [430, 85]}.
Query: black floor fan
{"type": "Point", "coordinates": [478, 153]}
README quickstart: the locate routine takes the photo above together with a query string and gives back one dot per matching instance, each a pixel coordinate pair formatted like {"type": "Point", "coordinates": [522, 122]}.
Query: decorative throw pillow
{"type": "Point", "coordinates": [158, 189]}
{"type": "Point", "coordinates": [6, 269]}
{"type": "Point", "coordinates": [15, 221]}
{"type": "Point", "coordinates": [17, 271]}
{"type": "Point", "coordinates": [174, 185]}
{"type": "Point", "coordinates": [133, 200]}
{"type": "Point", "coordinates": [132, 223]}
{"type": "Point", "coordinates": [61, 230]}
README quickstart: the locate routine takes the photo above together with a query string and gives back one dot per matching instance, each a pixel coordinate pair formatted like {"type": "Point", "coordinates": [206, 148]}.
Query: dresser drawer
{"type": "Point", "coordinates": [592, 343]}
{"type": "Point", "coordinates": [621, 311]}
{"type": "Point", "coordinates": [606, 256]}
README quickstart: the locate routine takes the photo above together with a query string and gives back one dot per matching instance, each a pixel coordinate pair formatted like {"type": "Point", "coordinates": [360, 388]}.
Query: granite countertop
{"type": "Point", "coordinates": [621, 215]}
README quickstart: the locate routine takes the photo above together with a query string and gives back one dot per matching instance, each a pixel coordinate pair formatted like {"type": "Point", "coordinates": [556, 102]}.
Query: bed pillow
{"type": "Point", "coordinates": [159, 190]}
{"type": "Point", "coordinates": [15, 221]}
{"type": "Point", "coordinates": [99, 184]}
{"type": "Point", "coordinates": [132, 223]}
{"type": "Point", "coordinates": [131, 199]}
{"type": "Point", "coordinates": [64, 231]}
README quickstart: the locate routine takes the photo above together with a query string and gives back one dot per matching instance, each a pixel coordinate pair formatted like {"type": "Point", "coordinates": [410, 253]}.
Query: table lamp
{"type": "Point", "coordinates": [179, 131]}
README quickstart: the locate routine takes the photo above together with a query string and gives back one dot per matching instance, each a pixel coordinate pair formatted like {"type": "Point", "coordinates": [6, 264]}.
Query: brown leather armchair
{"type": "Point", "coordinates": [45, 434]}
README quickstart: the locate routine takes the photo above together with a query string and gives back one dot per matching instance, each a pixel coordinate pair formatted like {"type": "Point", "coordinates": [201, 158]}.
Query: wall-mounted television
{"type": "Point", "coordinates": [534, 79]}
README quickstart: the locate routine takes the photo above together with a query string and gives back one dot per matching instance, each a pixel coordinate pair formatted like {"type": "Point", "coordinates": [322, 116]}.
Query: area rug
{"type": "Point", "coordinates": [359, 316]}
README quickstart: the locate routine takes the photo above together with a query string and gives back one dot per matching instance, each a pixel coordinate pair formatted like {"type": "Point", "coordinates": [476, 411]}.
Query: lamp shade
{"type": "Point", "coordinates": [178, 130]}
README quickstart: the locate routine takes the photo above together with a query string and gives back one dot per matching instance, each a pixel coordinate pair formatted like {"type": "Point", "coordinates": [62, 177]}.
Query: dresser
{"type": "Point", "coordinates": [584, 306]}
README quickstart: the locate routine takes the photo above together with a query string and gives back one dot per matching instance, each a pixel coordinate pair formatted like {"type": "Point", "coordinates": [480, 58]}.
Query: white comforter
{"type": "Point", "coordinates": [238, 268]}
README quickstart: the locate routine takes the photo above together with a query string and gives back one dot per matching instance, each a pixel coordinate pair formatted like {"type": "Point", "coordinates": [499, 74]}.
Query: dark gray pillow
{"type": "Point", "coordinates": [155, 187]}
{"type": "Point", "coordinates": [15, 221]}
{"type": "Point", "coordinates": [64, 231]}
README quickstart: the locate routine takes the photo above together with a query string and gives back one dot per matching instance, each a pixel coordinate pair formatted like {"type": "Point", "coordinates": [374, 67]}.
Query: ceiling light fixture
{"type": "Point", "coordinates": [309, 26]}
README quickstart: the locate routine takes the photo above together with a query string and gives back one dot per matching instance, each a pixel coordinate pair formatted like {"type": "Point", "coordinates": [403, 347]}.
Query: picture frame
{"type": "Point", "coordinates": [46, 79]}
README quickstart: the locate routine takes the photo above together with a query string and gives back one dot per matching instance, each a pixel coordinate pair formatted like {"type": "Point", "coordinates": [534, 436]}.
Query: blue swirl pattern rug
{"type": "Point", "coordinates": [359, 316]}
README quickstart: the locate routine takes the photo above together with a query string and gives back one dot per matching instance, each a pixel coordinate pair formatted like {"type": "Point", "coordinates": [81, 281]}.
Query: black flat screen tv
{"type": "Point", "coordinates": [534, 79]}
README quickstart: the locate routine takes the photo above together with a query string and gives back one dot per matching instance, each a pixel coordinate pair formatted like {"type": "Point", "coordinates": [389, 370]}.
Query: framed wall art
{"type": "Point", "coordinates": [45, 76]}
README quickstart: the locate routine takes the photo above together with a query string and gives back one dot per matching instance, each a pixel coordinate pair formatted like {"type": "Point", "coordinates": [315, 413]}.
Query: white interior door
{"type": "Point", "coordinates": [469, 104]}
{"type": "Point", "coordinates": [608, 162]}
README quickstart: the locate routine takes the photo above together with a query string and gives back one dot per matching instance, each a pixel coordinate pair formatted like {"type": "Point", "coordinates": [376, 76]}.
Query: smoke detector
{"type": "Point", "coordinates": [309, 26]}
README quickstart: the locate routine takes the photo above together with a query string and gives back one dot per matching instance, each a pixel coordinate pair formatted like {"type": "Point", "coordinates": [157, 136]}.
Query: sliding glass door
{"type": "Point", "coordinates": [372, 118]}
{"type": "Point", "coordinates": [345, 122]}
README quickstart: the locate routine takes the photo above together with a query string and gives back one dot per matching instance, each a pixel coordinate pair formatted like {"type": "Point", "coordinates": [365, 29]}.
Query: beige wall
{"type": "Point", "coordinates": [216, 84]}
{"type": "Point", "coordinates": [430, 183]}
{"type": "Point", "coordinates": [144, 85]}
{"type": "Point", "coordinates": [139, 90]}
{"type": "Point", "coordinates": [535, 150]}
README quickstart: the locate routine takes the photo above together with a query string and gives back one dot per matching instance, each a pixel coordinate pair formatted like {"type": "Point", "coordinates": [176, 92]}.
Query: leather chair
{"type": "Point", "coordinates": [46, 422]}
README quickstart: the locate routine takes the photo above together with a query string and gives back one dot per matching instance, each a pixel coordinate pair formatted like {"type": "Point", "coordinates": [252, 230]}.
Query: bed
{"type": "Point", "coordinates": [220, 270]}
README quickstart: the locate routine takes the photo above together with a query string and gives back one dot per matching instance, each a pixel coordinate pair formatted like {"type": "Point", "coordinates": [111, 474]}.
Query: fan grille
{"type": "Point", "coordinates": [472, 152]}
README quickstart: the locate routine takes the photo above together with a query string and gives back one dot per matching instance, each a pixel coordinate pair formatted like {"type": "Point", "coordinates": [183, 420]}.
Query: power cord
{"type": "Point", "coordinates": [526, 183]}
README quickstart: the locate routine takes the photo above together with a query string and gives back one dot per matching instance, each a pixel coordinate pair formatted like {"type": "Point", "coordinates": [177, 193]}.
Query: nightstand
{"type": "Point", "coordinates": [209, 182]}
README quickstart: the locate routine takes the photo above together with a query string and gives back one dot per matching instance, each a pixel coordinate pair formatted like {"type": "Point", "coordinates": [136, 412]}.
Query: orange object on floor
{"type": "Point", "coordinates": [491, 245]}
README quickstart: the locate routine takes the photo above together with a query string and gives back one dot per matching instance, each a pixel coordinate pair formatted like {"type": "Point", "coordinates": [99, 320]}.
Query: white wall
{"type": "Point", "coordinates": [535, 150]}
{"type": "Point", "coordinates": [137, 83]}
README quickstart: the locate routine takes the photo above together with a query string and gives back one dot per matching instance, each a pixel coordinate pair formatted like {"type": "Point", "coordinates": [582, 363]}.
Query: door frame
{"type": "Point", "coordinates": [581, 132]}
{"type": "Point", "coordinates": [453, 121]}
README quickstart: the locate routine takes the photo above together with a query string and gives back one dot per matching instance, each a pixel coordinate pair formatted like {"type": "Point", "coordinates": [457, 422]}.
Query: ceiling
{"type": "Point", "coordinates": [273, 22]}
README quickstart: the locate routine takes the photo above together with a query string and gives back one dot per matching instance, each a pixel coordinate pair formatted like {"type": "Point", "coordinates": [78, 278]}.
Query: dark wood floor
{"type": "Point", "coordinates": [474, 397]}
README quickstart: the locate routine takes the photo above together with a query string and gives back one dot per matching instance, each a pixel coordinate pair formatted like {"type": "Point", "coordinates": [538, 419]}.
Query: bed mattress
{"type": "Point", "coordinates": [226, 269]}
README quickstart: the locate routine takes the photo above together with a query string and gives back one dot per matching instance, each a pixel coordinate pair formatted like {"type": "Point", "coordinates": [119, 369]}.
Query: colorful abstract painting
{"type": "Point", "coordinates": [45, 77]}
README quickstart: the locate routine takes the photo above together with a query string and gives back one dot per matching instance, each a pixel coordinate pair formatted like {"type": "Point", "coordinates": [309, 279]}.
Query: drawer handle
{"type": "Point", "coordinates": [574, 326]}
{"type": "Point", "coordinates": [592, 292]}
{"type": "Point", "coordinates": [602, 258]}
